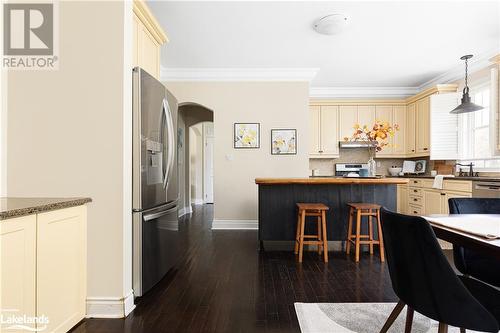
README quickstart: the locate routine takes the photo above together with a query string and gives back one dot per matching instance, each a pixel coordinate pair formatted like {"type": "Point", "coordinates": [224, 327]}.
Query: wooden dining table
{"type": "Point", "coordinates": [469, 230]}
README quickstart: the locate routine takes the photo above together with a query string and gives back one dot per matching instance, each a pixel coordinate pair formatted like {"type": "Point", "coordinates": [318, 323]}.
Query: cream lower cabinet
{"type": "Point", "coordinates": [402, 203]}
{"type": "Point", "coordinates": [17, 269]}
{"type": "Point", "coordinates": [421, 199]}
{"type": "Point", "coordinates": [61, 267]}
{"type": "Point", "coordinates": [43, 268]}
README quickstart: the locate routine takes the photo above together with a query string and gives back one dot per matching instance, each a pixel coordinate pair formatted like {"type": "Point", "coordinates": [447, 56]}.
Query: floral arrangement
{"type": "Point", "coordinates": [379, 133]}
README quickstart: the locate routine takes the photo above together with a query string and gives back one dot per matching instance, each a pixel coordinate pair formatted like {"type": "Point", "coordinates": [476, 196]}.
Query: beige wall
{"type": "Point", "coordinates": [273, 105]}
{"type": "Point", "coordinates": [69, 134]}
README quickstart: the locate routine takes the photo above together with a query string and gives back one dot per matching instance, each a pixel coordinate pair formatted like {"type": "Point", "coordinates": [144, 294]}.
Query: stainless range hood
{"type": "Point", "coordinates": [357, 144]}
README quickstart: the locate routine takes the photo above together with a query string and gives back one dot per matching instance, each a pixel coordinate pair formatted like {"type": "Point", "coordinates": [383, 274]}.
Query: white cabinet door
{"type": "Point", "coordinates": [329, 132]}
{"type": "Point", "coordinates": [17, 269]}
{"type": "Point", "coordinates": [383, 113]}
{"type": "Point", "coordinates": [314, 131]}
{"type": "Point", "coordinates": [348, 117]}
{"type": "Point", "coordinates": [410, 134]}
{"type": "Point", "coordinates": [61, 267]}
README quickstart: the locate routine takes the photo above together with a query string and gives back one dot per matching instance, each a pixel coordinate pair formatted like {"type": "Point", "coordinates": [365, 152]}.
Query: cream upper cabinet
{"type": "Point", "coordinates": [348, 117]}
{"type": "Point", "coordinates": [399, 139]}
{"type": "Point", "coordinates": [423, 126]}
{"type": "Point", "coordinates": [366, 115]}
{"type": "Point", "coordinates": [329, 130]}
{"type": "Point", "coordinates": [61, 267]}
{"type": "Point", "coordinates": [148, 37]}
{"type": "Point", "coordinates": [410, 134]}
{"type": "Point", "coordinates": [324, 133]}
{"type": "Point", "coordinates": [384, 113]}
{"type": "Point", "coordinates": [17, 273]}
{"type": "Point", "coordinates": [314, 131]}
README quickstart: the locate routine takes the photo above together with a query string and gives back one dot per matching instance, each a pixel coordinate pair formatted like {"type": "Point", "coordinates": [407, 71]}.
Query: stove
{"type": "Point", "coordinates": [345, 169]}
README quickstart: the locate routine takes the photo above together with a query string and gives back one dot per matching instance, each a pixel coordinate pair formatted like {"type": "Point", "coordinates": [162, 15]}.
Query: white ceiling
{"type": "Point", "coordinates": [387, 44]}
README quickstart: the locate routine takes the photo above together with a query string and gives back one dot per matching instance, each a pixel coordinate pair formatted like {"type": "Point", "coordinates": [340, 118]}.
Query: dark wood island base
{"type": "Point", "coordinates": [278, 198]}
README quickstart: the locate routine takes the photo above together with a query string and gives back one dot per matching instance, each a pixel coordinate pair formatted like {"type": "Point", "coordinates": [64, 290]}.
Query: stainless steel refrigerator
{"type": "Point", "coordinates": [155, 187]}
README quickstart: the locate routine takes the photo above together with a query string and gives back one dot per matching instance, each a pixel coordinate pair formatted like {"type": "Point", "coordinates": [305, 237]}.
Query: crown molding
{"type": "Point", "coordinates": [144, 14]}
{"type": "Point", "coordinates": [457, 73]}
{"type": "Point", "coordinates": [237, 74]}
{"type": "Point", "coordinates": [362, 92]}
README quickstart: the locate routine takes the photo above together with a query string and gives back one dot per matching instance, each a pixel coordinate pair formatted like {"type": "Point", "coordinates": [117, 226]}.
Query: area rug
{"type": "Point", "coordinates": [358, 318]}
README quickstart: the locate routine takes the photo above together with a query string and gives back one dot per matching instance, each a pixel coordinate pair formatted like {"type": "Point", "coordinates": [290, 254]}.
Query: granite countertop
{"type": "Point", "coordinates": [16, 207]}
{"type": "Point", "coordinates": [331, 180]}
{"type": "Point", "coordinates": [482, 179]}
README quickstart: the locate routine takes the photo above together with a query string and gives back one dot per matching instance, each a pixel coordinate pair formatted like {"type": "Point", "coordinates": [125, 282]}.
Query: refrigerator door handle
{"type": "Point", "coordinates": [153, 216]}
{"type": "Point", "coordinates": [170, 138]}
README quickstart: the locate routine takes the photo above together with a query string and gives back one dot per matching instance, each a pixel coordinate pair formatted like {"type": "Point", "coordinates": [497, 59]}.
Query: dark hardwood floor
{"type": "Point", "coordinates": [224, 284]}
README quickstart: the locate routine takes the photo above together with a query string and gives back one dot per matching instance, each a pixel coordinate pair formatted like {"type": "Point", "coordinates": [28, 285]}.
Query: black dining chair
{"type": "Point", "coordinates": [467, 261]}
{"type": "Point", "coordinates": [424, 281]}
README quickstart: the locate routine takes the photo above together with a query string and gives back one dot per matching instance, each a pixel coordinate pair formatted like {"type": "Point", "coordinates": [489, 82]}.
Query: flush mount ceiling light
{"type": "Point", "coordinates": [331, 24]}
{"type": "Point", "coordinates": [467, 105]}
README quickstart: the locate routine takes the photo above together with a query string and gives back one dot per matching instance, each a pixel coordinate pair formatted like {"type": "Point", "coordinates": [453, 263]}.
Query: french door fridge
{"type": "Point", "coordinates": [155, 188]}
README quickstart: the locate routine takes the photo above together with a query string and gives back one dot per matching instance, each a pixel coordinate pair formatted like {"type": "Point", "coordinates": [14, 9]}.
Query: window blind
{"type": "Point", "coordinates": [444, 127]}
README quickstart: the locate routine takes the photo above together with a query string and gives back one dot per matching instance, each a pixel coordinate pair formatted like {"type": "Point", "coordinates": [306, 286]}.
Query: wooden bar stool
{"type": "Point", "coordinates": [311, 209]}
{"type": "Point", "coordinates": [358, 239]}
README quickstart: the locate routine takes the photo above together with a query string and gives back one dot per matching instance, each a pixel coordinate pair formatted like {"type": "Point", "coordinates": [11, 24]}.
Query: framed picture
{"type": "Point", "coordinates": [283, 141]}
{"type": "Point", "coordinates": [246, 135]}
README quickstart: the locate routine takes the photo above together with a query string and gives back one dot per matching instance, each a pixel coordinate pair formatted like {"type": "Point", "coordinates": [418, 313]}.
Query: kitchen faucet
{"type": "Point", "coordinates": [471, 169]}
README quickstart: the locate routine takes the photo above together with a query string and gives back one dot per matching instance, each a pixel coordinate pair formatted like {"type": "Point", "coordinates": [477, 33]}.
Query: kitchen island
{"type": "Point", "coordinates": [278, 198]}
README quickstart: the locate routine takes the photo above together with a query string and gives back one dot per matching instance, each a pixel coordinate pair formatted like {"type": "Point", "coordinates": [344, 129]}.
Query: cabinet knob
{"type": "Point", "coordinates": [320, 151]}
{"type": "Point", "coordinates": [413, 150]}
{"type": "Point", "coordinates": [443, 193]}
{"type": "Point", "coordinates": [426, 148]}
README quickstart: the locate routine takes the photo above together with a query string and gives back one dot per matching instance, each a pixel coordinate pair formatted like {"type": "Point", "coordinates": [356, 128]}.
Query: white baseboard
{"type": "Point", "coordinates": [197, 201]}
{"type": "Point", "coordinates": [235, 225]}
{"type": "Point", "coordinates": [185, 210]}
{"type": "Point", "coordinates": [128, 303]}
{"type": "Point", "coordinates": [110, 307]}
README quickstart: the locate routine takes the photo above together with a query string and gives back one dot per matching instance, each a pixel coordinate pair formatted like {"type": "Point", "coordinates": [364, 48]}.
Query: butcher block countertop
{"type": "Point", "coordinates": [331, 180]}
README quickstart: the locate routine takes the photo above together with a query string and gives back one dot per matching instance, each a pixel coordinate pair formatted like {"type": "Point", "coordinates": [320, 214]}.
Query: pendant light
{"type": "Point", "coordinates": [466, 106]}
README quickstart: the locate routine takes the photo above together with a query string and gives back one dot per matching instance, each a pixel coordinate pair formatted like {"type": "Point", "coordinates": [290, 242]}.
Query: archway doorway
{"type": "Point", "coordinates": [196, 149]}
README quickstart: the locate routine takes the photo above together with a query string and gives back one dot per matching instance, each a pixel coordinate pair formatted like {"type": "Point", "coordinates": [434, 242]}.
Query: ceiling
{"type": "Point", "coordinates": [386, 44]}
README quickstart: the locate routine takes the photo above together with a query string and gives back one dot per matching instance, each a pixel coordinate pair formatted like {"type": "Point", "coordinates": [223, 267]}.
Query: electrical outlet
{"type": "Point", "coordinates": [379, 164]}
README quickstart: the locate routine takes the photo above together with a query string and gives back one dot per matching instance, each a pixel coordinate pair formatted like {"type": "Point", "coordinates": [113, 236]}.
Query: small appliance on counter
{"type": "Point", "coordinates": [351, 169]}
{"type": "Point", "coordinates": [395, 170]}
{"type": "Point", "coordinates": [415, 167]}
